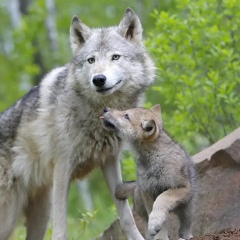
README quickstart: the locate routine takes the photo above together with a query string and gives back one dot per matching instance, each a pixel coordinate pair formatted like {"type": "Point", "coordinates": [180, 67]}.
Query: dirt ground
{"type": "Point", "coordinates": [225, 235]}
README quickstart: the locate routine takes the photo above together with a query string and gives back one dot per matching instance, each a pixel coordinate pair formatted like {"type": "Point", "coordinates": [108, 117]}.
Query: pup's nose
{"type": "Point", "coordinates": [106, 109]}
{"type": "Point", "coordinates": [99, 80]}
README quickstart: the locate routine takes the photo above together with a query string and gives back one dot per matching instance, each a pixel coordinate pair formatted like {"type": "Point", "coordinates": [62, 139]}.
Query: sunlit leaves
{"type": "Point", "coordinates": [197, 48]}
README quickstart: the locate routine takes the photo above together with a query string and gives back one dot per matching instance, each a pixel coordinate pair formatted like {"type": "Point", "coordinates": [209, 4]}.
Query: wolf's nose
{"type": "Point", "coordinates": [99, 80]}
{"type": "Point", "coordinates": [105, 110]}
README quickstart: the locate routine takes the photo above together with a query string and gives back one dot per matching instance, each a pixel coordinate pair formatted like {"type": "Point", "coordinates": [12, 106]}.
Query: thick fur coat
{"type": "Point", "coordinates": [53, 133]}
{"type": "Point", "coordinates": [166, 177]}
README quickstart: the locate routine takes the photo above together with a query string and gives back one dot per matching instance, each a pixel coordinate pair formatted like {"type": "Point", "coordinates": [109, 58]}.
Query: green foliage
{"type": "Point", "coordinates": [197, 48]}
{"type": "Point", "coordinates": [87, 224]}
{"type": "Point", "coordinates": [16, 61]}
{"type": "Point", "coordinates": [23, 48]}
{"type": "Point", "coordinates": [128, 167]}
{"type": "Point", "coordinates": [86, 219]}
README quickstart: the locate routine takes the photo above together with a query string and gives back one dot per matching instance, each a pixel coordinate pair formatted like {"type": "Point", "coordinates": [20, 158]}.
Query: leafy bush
{"type": "Point", "coordinates": [197, 48]}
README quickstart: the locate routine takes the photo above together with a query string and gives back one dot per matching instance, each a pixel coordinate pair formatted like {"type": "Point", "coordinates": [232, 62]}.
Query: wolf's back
{"type": "Point", "coordinates": [11, 118]}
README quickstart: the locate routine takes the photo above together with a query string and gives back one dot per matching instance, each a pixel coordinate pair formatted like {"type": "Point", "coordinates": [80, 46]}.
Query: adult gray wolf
{"type": "Point", "coordinates": [165, 172]}
{"type": "Point", "coordinates": [53, 133]}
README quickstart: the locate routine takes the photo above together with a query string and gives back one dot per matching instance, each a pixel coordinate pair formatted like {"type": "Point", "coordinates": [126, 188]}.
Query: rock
{"type": "Point", "coordinates": [217, 204]}
{"type": "Point", "coordinates": [227, 143]}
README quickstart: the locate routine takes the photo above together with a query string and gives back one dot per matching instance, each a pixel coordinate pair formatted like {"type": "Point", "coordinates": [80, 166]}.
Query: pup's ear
{"type": "Point", "coordinates": [150, 129]}
{"type": "Point", "coordinates": [79, 33]}
{"type": "Point", "coordinates": [156, 109]}
{"type": "Point", "coordinates": [130, 27]}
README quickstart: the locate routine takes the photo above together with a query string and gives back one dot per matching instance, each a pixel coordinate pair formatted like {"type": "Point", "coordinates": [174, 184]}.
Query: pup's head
{"type": "Point", "coordinates": [105, 59]}
{"type": "Point", "coordinates": [136, 124]}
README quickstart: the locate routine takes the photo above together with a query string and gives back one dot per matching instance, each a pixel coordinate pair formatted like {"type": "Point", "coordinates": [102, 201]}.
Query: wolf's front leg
{"type": "Point", "coordinates": [61, 181]}
{"type": "Point", "coordinates": [112, 173]}
{"type": "Point", "coordinates": [164, 203]}
{"type": "Point", "coordinates": [37, 214]}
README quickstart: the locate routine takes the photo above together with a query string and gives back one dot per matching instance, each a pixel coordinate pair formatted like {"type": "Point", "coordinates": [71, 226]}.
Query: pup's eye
{"type": "Point", "coordinates": [91, 60]}
{"type": "Point", "coordinates": [126, 116]}
{"type": "Point", "coordinates": [115, 57]}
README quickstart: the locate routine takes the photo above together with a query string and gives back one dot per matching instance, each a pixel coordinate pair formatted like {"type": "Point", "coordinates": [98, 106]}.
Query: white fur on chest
{"type": "Point", "coordinates": [44, 141]}
{"type": "Point", "coordinates": [52, 136]}
{"type": "Point", "coordinates": [68, 129]}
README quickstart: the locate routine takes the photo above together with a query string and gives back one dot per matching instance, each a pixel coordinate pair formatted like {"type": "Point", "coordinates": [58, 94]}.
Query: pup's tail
{"type": "Point", "coordinates": [125, 190]}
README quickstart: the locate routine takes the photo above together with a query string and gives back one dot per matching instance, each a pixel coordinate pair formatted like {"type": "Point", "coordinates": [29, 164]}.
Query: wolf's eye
{"type": "Point", "coordinates": [126, 116]}
{"type": "Point", "coordinates": [115, 57]}
{"type": "Point", "coordinates": [91, 60]}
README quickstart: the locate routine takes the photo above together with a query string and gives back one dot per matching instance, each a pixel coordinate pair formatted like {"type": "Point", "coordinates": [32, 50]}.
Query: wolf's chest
{"type": "Point", "coordinates": [93, 144]}
{"type": "Point", "coordinates": [94, 148]}
{"type": "Point", "coordinates": [154, 179]}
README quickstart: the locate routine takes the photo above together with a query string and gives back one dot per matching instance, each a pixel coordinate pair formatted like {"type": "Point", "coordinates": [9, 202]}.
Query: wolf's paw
{"type": "Point", "coordinates": [189, 236]}
{"type": "Point", "coordinates": [155, 223]}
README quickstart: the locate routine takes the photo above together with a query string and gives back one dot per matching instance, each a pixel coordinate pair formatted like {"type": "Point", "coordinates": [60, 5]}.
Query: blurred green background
{"type": "Point", "coordinates": [194, 43]}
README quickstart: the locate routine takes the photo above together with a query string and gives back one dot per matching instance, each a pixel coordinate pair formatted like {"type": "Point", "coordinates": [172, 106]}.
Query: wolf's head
{"type": "Point", "coordinates": [134, 125]}
{"type": "Point", "coordinates": [109, 60]}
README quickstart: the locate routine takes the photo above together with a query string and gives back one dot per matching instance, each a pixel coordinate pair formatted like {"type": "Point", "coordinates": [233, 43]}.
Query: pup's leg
{"type": "Point", "coordinates": [37, 214]}
{"type": "Point", "coordinates": [148, 202]}
{"type": "Point", "coordinates": [125, 190]}
{"type": "Point", "coordinates": [162, 234]}
{"type": "Point", "coordinates": [164, 203]}
{"type": "Point", "coordinates": [61, 182]}
{"type": "Point", "coordinates": [140, 209]}
{"type": "Point", "coordinates": [185, 214]}
{"type": "Point", "coordinates": [112, 173]}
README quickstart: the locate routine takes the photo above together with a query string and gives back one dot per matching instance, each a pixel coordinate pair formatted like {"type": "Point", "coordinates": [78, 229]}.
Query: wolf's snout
{"type": "Point", "coordinates": [106, 109]}
{"type": "Point", "coordinates": [99, 80]}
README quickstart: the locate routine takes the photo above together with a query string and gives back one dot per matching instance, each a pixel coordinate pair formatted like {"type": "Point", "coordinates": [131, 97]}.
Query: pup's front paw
{"type": "Point", "coordinates": [155, 223]}
{"type": "Point", "coordinates": [189, 236]}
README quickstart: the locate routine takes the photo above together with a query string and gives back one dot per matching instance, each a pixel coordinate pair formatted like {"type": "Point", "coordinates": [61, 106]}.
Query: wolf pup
{"type": "Point", "coordinates": [165, 172]}
{"type": "Point", "coordinates": [53, 134]}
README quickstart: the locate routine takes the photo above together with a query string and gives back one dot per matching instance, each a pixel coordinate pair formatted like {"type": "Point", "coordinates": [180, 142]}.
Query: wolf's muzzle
{"type": "Point", "coordinates": [99, 80]}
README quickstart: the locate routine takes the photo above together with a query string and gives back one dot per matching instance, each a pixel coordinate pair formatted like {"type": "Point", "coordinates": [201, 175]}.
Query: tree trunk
{"type": "Point", "coordinates": [51, 25]}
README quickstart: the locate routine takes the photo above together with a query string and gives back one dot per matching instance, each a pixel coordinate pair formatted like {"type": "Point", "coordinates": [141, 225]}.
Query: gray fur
{"type": "Point", "coordinates": [166, 176]}
{"type": "Point", "coordinates": [53, 134]}
{"type": "Point", "coordinates": [168, 168]}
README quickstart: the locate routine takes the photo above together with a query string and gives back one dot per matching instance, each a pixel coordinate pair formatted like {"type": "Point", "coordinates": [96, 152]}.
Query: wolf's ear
{"type": "Point", "coordinates": [79, 33]}
{"type": "Point", "coordinates": [156, 109]}
{"type": "Point", "coordinates": [130, 27]}
{"type": "Point", "coordinates": [150, 129]}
